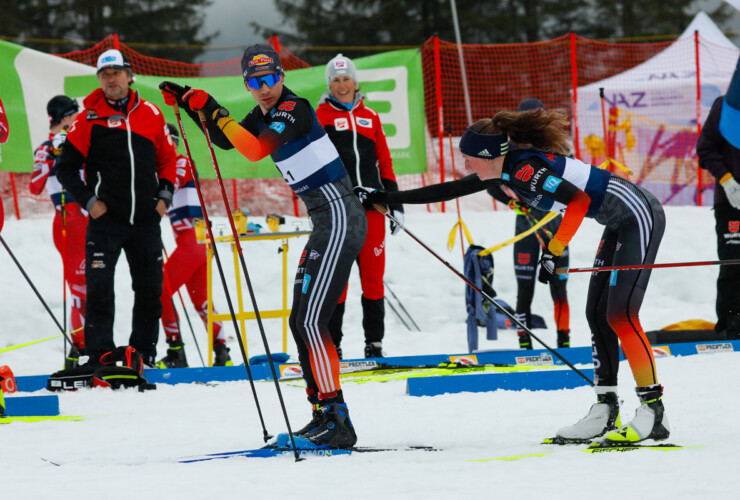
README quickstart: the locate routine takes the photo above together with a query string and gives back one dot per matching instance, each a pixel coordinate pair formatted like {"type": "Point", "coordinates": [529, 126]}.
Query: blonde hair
{"type": "Point", "coordinates": [541, 129]}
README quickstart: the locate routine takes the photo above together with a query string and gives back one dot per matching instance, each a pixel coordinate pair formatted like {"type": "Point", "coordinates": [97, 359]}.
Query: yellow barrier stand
{"type": "Point", "coordinates": [243, 315]}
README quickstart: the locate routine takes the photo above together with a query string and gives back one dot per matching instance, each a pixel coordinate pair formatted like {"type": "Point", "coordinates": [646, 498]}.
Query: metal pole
{"type": "Point", "coordinates": [461, 57]}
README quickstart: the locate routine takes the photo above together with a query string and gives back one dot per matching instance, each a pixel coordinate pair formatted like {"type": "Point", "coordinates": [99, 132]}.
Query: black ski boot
{"type": "Point", "coordinates": [222, 355]}
{"type": "Point", "coordinates": [73, 358]}
{"type": "Point", "coordinates": [374, 350]}
{"type": "Point", "coordinates": [525, 341]}
{"type": "Point", "coordinates": [563, 338]}
{"type": "Point", "coordinates": [335, 429]}
{"type": "Point", "coordinates": [175, 357]}
{"type": "Point", "coordinates": [317, 417]}
{"type": "Point", "coordinates": [650, 421]}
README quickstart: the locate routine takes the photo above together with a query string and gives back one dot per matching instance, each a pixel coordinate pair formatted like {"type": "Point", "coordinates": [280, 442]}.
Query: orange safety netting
{"type": "Point", "coordinates": [651, 132]}
{"type": "Point", "coordinates": [654, 91]}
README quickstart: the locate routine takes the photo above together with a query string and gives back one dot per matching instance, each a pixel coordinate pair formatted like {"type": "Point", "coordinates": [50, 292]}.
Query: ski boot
{"type": "Point", "coordinates": [374, 350]}
{"type": "Point", "coordinates": [563, 338]}
{"type": "Point", "coordinates": [650, 421]}
{"type": "Point", "coordinates": [175, 357]}
{"type": "Point", "coordinates": [335, 430]}
{"type": "Point", "coordinates": [317, 417]}
{"type": "Point", "coordinates": [222, 355]}
{"type": "Point", "coordinates": [602, 418]}
{"type": "Point", "coordinates": [525, 341]}
{"type": "Point", "coordinates": [73, 358]}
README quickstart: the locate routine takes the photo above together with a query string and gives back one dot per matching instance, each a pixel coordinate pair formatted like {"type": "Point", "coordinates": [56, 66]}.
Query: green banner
{"type": "Point", "coordinates": [392, 83]}
{"type": "Point", "coordinates": [18, 146]}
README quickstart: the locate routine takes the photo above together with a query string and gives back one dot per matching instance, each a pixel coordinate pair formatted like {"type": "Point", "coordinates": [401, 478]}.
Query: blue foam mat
{"type": "Point", "coordinates": [574, 355]}
{"type": "Point", "coordinates": [36, 406]}
{"type": "Point", "coordinates": [485, 382]}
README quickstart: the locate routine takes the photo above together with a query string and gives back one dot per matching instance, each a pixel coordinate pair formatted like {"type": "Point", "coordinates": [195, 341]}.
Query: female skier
{"type": "Point", "coordinates": [526, 152]}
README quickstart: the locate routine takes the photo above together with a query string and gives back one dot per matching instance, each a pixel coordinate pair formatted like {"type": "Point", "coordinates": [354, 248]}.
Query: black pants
{"type": "Point", "coordinates": [614, 298]}
{"type": "Point", "coordinates": [142, 244]}
{"type": "Point", "coordinates": [339, 229]}
{"type": "Point", "coordinates": [526, 256]}
{"type": "Point", "coordinates": [728, 281]}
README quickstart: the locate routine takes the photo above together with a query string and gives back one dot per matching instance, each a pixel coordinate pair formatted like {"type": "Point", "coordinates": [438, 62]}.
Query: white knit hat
{"type": "Point", "coordinates": [340, 65]}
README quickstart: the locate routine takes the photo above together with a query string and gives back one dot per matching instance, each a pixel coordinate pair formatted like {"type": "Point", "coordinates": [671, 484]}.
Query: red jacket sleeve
{"type": "Point", "coordinates": [43, 161]}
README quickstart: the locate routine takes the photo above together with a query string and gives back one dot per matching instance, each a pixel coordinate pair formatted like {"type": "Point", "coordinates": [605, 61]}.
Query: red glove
{"type": "Point", "coordinates": [196, 99]}
{"type": "Point", "coordinates": [171, 91]}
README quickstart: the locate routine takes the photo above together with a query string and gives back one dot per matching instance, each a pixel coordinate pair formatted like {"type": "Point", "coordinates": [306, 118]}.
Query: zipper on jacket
{"type": "Point", "coordinates": [133, 169]}
{"type": "Point", "coordinates": [131, 157]}
{"type": "Point", "coordinates": [353, 126]}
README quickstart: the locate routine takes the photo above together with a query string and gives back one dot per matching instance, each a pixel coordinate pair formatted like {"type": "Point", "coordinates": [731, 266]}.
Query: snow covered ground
{"type": "Point", "coordinates": [126, 445]}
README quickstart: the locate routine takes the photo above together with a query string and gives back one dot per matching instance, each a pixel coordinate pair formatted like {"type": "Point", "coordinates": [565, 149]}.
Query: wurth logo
{"type": "Point", "coordinates": [523, 258]}
{"type": "Point", "coordinates": [287, 106]}
{"type": "Point", "coordinates": [525, 173]}
{"type": "Point", "coordinates": [734, 226]}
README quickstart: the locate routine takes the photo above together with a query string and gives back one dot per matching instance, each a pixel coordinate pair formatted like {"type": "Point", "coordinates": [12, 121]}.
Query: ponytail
{"type": "Point", "coordinates": [541, 129]}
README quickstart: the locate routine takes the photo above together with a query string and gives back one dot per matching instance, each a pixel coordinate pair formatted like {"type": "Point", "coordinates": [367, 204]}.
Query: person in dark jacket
{"type": "Point", "coordinates": [543, 177]}
{"type": "Point", "coordinates": [129, 160]}
{"type": "Point", "coordinates": [284, 126]}
{"type": "Point", "coordinates": [722, 160]}
{"type": "Point", "coordinates": [358, 135]}
{"type": "Point", "coordinates": [526, 255]}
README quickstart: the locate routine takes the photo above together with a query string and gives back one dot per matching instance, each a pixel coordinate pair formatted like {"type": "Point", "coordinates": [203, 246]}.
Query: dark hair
{"type": "Point", "coordinates": [541, 129]}
{"type": "Point", "coordinates": [59, 107]}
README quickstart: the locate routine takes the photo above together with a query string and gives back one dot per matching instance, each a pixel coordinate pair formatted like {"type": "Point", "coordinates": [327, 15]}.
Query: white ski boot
{"type": "Point", "coordinates": [602, 417]}
{"type": "Point", "coordinates": [650, 421]}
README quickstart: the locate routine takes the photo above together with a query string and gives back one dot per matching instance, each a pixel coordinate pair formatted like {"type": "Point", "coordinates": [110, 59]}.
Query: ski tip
{"type": "Point", "coordinates": [512, 457]}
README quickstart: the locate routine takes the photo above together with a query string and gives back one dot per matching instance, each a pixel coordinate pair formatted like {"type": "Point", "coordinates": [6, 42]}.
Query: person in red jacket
{"type": "Point", "coordinates": [187, 266]}
{"type": "Point", "coordinates": [129, 158]}
{"type": "Point", "coordinates": [70, 221]}
{"type": "Point", "coordinates": [358, 135]}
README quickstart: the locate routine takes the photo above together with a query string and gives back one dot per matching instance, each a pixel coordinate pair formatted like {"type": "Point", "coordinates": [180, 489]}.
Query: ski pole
{"type": "Point", "coordinates": [26, 344]}
{"type": "Point", "coordinates": [398, 315]}
{"type": "Point", "coordinates": [64, 270]}
{"type": "Point", "coordinates": [252, 297]}
{"type": "Point", "coordinates": [194, 172]}
{"type": "Point", "coordinates": [33, 287]}
{"type": "Point", "coordinates": [185, 312]}
{"type": "Point", "coordinates": [483, 294]}
{"type": "Point", "coordinates": [400, 304]}
{"type": "Point", "coordinates": [565, 270]}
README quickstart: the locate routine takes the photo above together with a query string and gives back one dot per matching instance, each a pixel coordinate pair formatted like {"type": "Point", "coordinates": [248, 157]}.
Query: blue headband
{"type": "Point", "coordinates": [488, 146]}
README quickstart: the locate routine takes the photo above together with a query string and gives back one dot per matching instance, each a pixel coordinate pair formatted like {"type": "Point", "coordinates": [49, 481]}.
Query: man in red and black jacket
{"type": "Point", "coordinates": [358, 135]}
{"type": "Point", "coordinates": [129, 160]}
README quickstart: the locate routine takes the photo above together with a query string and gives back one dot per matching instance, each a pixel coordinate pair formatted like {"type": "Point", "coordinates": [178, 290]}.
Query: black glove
{"type": "Point", "coordinates": [172, 92]}
{"type": "Point", "coordinates": [546, 267]}
{"type": "Point", "coordinates": [372, 196]}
